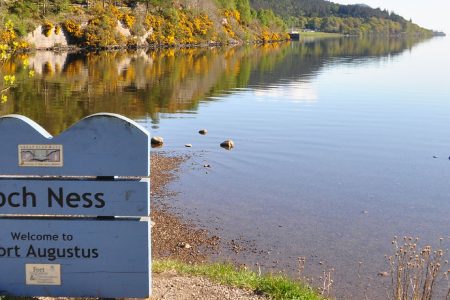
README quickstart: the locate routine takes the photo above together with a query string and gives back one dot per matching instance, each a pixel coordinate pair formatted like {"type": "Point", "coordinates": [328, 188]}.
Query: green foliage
{"type": "Point", "coordinates": [276, 287]}
{"type": "Point", "coordinates": [171, 14]}
{"type": "Point", "coordinates": [226, 4]}
{"type": "Point", "coordinates": [59, 6]}
{"type": "Point", "coordinates": [267, 18]}
{"type": "Point", "coordinates": [22, 25]}
{"type": "Point", "coordinates": [243, 7]}
{"type": "Point", "coordinates": [359, 26]}
{"type": "Point", "coordinates": [24, 9]}
{"type": "Point", "coordinates": [38, 8]}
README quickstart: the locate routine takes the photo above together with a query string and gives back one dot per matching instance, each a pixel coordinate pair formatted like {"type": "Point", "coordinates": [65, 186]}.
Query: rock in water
{"type": "Point", "coordinates": [203, 131]}
{"type": "Point", "coordinates": [157, 141]}
{"type": "Point", "coordinates": [228, 144]}
{"type": "Point", "coordinates": [188, 145]}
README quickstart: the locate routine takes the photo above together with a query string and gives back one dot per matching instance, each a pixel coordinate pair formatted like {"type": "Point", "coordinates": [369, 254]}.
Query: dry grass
{"type": "Point", "coordinates": [326, 280]}
{"type": "Point", "coordinates": [415, 272]}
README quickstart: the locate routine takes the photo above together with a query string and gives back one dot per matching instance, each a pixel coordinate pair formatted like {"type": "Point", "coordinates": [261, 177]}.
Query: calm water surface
{"type": "Point", "coordinates": [340, 144]}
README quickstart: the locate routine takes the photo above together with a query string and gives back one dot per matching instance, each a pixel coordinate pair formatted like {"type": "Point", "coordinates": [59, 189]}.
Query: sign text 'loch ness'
{"type": "Point", "coordinates": [53, 198]}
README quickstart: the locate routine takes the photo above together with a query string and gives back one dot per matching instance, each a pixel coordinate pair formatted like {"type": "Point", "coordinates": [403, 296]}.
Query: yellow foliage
{"type": "Point", "coordinates": [237, 15]}
{"type": "Point", "coordinates": [9, 79]}
{"type": "Point", "coordinates": [229, 30]}
{"type": "Point", "coordinates": [128, 20]}
{"type": "Point", "coordinates": [47, 28]}
{"type": "Point", "coordinates": [73, 28]}
{"type": "Point", "coordinates": [153, 22]}
{"type": "Point", "coordinates": [57, 29]}
{"type": "Point", "coordinates": [8, 35]}
{"type": "Point", "coordinates": [232, 13]}
{"type": "Point", "coordinates": [265, 36]}
{"type": "Point", "coordinates": [116, 12]}
{"type": "Point", "coordinates": [10, 43]}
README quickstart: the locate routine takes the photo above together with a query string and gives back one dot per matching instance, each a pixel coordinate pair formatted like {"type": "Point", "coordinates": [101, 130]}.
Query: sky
{"type": "Point", "coordinates": [431, 14]}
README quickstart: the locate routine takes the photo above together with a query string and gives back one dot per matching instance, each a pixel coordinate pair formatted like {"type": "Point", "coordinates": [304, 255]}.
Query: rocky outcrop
{"type": "Point", "coordinates": [59, 39]}
{"type": "Point", "coordinates": [40, 40]}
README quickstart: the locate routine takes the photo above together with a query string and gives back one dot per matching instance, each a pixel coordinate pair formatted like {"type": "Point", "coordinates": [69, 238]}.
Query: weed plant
{"type": "Point", "coordinates": [415, 272]}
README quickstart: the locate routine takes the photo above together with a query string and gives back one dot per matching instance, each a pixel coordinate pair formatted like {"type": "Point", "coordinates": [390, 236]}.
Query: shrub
{"type": "Point", "coordinates": [73, 29]}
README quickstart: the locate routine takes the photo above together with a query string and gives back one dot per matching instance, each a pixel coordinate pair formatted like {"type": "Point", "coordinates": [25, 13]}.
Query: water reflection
{"type": "Point", "coordinates": [69, 86]}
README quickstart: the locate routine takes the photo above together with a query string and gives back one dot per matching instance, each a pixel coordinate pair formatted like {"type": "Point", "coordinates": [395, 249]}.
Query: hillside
{"type": "Point", "coordinates": [132, 23]}
{"type": "Point", "coordinates": [160, 23]}
{"type": "Point", "coordinates": [321, 15]}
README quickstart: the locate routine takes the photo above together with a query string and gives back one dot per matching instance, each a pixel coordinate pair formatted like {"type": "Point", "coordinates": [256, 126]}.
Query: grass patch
{"type": "Point", "coordinates": [319, 35]}
{"type": "Point", "coordinates": [273, 286]}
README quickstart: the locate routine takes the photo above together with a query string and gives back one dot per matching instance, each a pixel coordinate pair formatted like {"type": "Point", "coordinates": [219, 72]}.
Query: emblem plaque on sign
{"type": "Point", "coordinates": [43, 274]}
{"type": "Point", "coordinates": [40, 155]}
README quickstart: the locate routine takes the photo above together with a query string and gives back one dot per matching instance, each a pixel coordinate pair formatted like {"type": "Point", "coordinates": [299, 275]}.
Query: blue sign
{"type": "Point", "coordinates": [74, 209]}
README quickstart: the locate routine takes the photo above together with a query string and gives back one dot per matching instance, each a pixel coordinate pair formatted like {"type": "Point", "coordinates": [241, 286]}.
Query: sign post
{"type": "Point", "coordinates": [74, 209]}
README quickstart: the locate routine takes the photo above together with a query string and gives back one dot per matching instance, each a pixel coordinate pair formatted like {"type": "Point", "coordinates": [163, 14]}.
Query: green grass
{"type": "Point", "coordinates": [317, 34]}
{"type": "Point", "coordinates": [273, 286]}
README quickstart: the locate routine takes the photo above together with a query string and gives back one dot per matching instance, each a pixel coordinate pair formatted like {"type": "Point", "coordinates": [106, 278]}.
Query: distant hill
{"type": "Point", "coordinates": [356, 19]}
{"type": "Point", "coordinates": [322, 8]}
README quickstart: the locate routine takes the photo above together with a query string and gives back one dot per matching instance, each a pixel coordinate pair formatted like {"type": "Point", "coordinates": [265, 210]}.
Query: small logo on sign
{"type": "Point", "coordinates": [40, 155]}
{"type": "Point", "coordinates": [43, 274]}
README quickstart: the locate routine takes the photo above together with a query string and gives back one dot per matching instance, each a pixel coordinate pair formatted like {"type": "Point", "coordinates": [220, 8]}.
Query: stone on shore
{"type": "Point", "coordinates": [157, 141]}
{"type": "Point", "coordinates": [184, 245]}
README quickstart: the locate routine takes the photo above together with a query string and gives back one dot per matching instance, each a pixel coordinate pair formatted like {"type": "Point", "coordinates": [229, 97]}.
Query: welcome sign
{"type": "Point", "coordinates": [74, 209]}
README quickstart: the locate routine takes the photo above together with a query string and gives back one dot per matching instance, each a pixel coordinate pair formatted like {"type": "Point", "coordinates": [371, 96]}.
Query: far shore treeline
{"type": "Point", "coordinates": [326, 16]}
{"type": "Point", "coordinates": [162, 23]}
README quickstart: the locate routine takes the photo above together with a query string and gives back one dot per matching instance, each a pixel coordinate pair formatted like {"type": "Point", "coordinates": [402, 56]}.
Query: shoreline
{"type": "Point", "coordinates": [75, 48]}
{"type": "Point", "coordinates": [173, 237]}
{"type": "Point", "coordinates": [176, 237]}
{"type": "Point", "coordinates": [187, 261]}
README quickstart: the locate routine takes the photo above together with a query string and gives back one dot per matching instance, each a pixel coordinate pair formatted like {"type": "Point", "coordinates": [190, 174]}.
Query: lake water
{"type": "Point", "coordinates": [340, 144]}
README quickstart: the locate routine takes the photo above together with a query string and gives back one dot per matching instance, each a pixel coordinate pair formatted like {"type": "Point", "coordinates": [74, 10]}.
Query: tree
{"type": "Point", "coordinates": [243, 6]}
